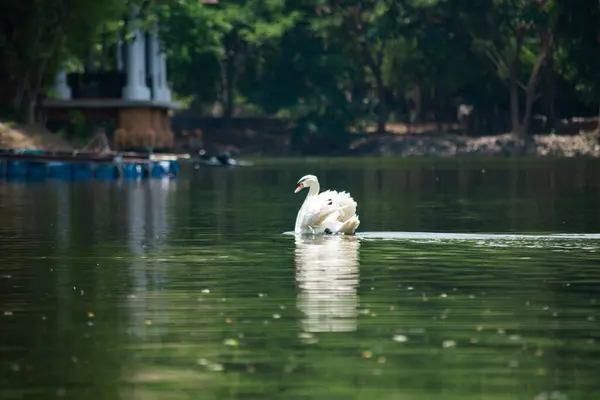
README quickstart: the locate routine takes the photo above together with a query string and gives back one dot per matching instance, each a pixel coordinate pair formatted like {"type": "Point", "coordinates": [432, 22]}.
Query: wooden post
{"type": "Point", "coordinates": [145, 127]}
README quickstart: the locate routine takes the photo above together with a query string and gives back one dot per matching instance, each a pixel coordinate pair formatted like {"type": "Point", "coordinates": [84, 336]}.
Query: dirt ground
{"type": "Point", "coordinates": [401, 144]}
{"type": "Point", "coordinates": [14, 136]}
{"type": "Point", "coordinates": [442, 145]}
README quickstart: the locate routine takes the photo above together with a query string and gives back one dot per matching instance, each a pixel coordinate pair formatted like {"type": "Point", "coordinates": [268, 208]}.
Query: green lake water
{"type": "Point", "coordinates": [467, 279]}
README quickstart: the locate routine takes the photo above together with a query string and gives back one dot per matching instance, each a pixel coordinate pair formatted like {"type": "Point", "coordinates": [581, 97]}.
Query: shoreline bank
{"type": "Point", "coordinates": [503, 145]}
{"type": "Point", "coordinates": [396, 145]}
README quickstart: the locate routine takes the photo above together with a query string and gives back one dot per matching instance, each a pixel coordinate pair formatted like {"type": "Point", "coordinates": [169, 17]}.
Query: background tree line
{"type": "Point", "coordinates": [333, 66]}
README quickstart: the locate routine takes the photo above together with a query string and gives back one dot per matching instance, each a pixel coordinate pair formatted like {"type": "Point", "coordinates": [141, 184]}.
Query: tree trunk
{"type": "Point", "coordinates": [228, 78]}
{"type": "Point", "coordinates": [375, 64]}
{"type": "Point", "coordinates": [418, 111]}
{"type": "Point", "coordinates": [550, 94]}
{"type": "Point", "coordinates": [226, 94]}
{"type": "Point", "coordinates": [530, 96]}
{"type": "Point", "coordinates": [513, 87]}
{"type": "Point", "coordinates": [530, 92]}
{"type": "Point", "coordinates": [30, 105]}
{"type": "Point", "coordinates": [19, 97]}
{"type": "Point", "coordinates": [439, 112]}
{"type": "Point", "coordinates": [228, 106]}
{"type": "Point", "coordinates": [34, 92]}
{"type": "Point", "coordinates": [514, 108]}
{"type": "Point", "coordinates": [382, 114]}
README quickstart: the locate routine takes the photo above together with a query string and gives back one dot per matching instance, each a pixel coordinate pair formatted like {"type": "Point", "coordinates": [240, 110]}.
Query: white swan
{"type": "Point", "coordinates": [330, 212]}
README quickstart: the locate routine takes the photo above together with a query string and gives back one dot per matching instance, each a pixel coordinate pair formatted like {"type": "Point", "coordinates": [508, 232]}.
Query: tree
{"type": "Point", "coordinates": [224, 37]}
{"type": "Point", "coordinates": [364, 29]}
{"type": "Point", "coordinates": [37, 36]}
{"type": "Point", "coordinates": [517, 37]}
{"type": "Point", "coordinates": [578, 42]}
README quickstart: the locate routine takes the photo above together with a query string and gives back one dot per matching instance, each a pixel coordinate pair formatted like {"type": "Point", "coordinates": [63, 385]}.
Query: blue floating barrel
{"type": "Point", "coordinates": [175, 167]}
{"type": "Point", "coordinates": [132, 171]}
{"type": "Point", "coordinates": [105, 171]}
{"type": "Point", "coordinates": [82, 171]}
{"type": "Point", "coordinates": [160, 169]}
{"type": "Point", "coordinates": [36, 170]}
{"type": "Point", "coordinates": [16, 169]}
{"type": "Point", "coordinates": [60, 170]}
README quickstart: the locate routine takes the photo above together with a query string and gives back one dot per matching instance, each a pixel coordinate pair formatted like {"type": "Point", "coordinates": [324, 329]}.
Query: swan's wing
{"type": "Point", "coordinates": [342, 201]}
{"type": "Point", "coordinates": [317, 210]}
{"type": "Point", "coordinates": [329, 205]}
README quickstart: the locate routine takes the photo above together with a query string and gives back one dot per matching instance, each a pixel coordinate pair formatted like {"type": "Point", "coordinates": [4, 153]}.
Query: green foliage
{"type": "Point", "coordinates": [578, 30]}
{"type": "Point", "coordinates": [333, 66]}
{"type": "Point", "coordinates": [37, 36]}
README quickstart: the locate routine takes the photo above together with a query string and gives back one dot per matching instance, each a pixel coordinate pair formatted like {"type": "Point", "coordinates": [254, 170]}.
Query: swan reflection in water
{"type": "Point", "coordinates": [327, 278]}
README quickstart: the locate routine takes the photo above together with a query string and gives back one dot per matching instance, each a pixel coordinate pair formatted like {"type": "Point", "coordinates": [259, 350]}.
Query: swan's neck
{"type": "Point", "coordinates": [313, 190]}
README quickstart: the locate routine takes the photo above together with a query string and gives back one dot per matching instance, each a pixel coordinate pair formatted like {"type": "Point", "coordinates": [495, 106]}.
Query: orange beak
{"type": "Point", "coordinates": [299, 188]}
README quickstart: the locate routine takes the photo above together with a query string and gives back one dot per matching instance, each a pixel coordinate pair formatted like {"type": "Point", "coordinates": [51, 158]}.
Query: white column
{"type": "Point", "coordinates": [136, 88]}
{"type": "Point", "coordinates": [166, 92]}
{"type": "Point", "coordinates": [154, 60]}
{"type": "Point", "coordinates": [164, 85]}
{"type": "Point", "coordinates": [63, 91]}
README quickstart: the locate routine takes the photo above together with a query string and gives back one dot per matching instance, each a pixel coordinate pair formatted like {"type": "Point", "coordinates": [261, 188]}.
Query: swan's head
{"type": "Point", "coordinates": [306, 181]}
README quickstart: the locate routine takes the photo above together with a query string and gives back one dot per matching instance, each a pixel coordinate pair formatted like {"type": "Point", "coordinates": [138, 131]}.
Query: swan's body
{"type": "Point", "coordinates": [330, 212]}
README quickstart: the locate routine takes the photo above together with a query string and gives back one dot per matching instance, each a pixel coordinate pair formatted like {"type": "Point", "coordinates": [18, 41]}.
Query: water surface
{"type": "Point", "coordinates": [469, 279]}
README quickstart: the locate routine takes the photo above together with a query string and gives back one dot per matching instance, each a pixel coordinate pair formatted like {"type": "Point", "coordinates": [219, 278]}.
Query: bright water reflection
{"type": "Point", "coordinates": [188, 289]}
{"type": "Point", "coordinates": [327, 276]}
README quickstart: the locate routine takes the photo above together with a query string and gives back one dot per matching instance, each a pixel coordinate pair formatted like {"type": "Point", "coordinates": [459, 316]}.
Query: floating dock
{"type": "Point", "coordinates": [40, 165]}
